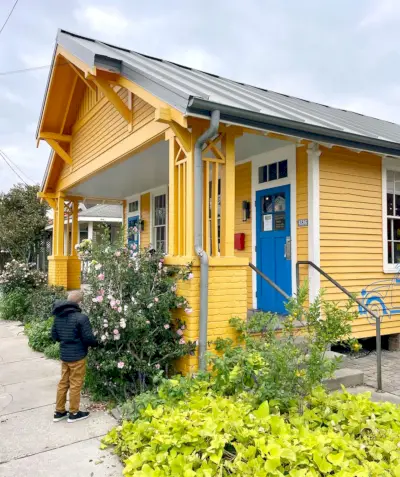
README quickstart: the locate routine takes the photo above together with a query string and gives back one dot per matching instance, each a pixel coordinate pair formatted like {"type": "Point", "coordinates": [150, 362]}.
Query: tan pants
{"type": "Point", "coordinates": [72, 377]}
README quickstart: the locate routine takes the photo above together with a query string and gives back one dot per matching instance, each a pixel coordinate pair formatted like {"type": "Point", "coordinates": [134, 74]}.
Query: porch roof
{"type": "Point", "coordinates": [196, 93]}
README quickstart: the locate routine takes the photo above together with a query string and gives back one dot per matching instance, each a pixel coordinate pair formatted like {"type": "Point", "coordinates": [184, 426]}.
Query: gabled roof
{"type": "Point", "coordinates": [196, 93]}
{"type": "Point", "coordinates": [103, 210]}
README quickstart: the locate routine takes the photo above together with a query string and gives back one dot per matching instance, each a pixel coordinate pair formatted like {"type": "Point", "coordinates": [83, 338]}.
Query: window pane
{"type": "Point", "coordinates": [133, 206]}
{"type": "Point", "coordinates": [266, 204]}
{"type": "Point", "coordinates": [396, 252]}
{"type": "Point", "coordinates": [390, 255]}
{"type": "Point", "coordinates": [160, 211]}
{"type": "Point", "coordinates": [280, 202]}
{"type": "Point", "coordinates": [262, 174]}
{"type": "Point", "coordinates": [389, 229]}
{"type": "Point", "coordinates": [397, 203]}
{"type": "Point", "coordinates": [273, 171]}
{"type": "Point", "coordinates": [390, 182]}
{"type": "Point", "coordinates": [282, 166]}
{"type": "Point", "coordinates": [279, 222]}
{"type": "Point", "coordinates": [397, 182]}
{"type": "Point", "coordinates": [396, 229]}
{"type": "Point", "coordinates": [389, 198]}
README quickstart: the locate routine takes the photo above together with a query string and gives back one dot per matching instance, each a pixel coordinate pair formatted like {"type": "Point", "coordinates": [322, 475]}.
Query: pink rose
{"type": "Point", "coordinates": [190, 276]}
{"type": "Point", "coordinates": [179, 332]}
{"type": "Point", "coordinates": [121, 364]}
{"type": "Point", "coordinates": [117, 337]}
{"type": "Point", "coordinates": [116, 332]}
{"type": "Point", "coordinates": [167, 327]}
{"type": "Point", "coordinates": [119, 309]}
{"type": "Point", "coordinates": [183, 327]}
{"type": "Point", "coordinates": [188, 310]}
{"type": "Point", "coordinates": [173, 288]}
{"type": "Point", "coordinates": [118, 302]}
{"type": "Point", "coordinates": [101, 276]}
{"type": "Point", "coordinates": [157, 366]}
{"type": "Point", "coordinates": [182, 341]}
{"type": "Point", "coordinates": [99, 299]}
{"type": "Point", "coordinates": [117, 253]}
{"type": "Point", "coordinates": [113, 303]}
{"type": "Point", "coordinates": [156, 300]}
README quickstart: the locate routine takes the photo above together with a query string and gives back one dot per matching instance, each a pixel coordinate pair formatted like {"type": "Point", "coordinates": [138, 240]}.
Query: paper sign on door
{"type": "Point", "coordinates": [267, 223]}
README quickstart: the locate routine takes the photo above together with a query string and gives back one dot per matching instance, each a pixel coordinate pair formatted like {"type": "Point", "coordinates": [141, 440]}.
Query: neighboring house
{"type": "Point", "coordinates": [280, 180]}
{"type": "Point", "coordinates": [91, 222]}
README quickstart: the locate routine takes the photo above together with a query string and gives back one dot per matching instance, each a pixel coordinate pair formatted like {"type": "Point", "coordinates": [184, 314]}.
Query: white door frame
{"type": "Point", "coordinates": [286, 152]}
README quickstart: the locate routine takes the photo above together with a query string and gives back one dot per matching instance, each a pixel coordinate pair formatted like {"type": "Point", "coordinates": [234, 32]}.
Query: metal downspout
{"type": "Point", "coordinates": [198, 234]}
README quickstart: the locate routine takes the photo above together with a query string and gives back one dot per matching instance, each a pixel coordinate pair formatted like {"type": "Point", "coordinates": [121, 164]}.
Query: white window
{"type": "Point", "coordinates": [391, 214]}
{"type": "Point", "coordinates": [160, 222]}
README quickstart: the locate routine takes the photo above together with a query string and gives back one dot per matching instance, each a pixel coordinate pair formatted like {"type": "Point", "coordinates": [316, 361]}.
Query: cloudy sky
{"type": "Point", "coordinates": [338, 52]}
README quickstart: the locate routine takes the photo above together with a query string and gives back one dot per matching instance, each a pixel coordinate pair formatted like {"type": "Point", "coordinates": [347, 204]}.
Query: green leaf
{"type": "Point", "coordinates": [336, 459]}
{"type": "Point", "coordinates": [263, 411]}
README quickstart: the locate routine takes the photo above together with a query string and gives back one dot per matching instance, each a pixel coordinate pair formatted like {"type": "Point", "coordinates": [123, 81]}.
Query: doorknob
{"type": "Point", "coordinates": [288, 249]}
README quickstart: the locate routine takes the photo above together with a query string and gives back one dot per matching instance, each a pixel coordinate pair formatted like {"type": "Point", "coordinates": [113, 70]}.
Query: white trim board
{"type": "Point", "coordinates": [313, 154]}
{"type": "Point", "coordinates": [285, 152]}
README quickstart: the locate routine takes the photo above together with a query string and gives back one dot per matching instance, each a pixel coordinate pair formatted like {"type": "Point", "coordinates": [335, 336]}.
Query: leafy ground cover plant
{"type": "Point", "coordinates": [206, 434]}
{"type": "Point", "coordinates": [130, 301]}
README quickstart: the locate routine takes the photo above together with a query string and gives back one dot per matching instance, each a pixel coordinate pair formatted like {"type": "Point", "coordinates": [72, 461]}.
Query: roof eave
{"type": "Point", "coordinates": [256, 120]}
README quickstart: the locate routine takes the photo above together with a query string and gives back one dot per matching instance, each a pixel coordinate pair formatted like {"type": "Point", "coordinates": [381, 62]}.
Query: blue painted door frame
{"type": "Point", "coordinates": [273, 257]}
{"type": "Point", "coordinates": [133, 237]}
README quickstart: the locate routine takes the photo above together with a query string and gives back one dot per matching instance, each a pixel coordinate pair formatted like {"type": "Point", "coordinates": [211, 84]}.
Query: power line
{"type": "Point", "coordinates": [10, 165]}
{"type": "Point", "coordinates": [16, 166]}
{"type": "Point", "coordinates": [9, 15]}
{"type": "Point", "coordinates": [26, 70]}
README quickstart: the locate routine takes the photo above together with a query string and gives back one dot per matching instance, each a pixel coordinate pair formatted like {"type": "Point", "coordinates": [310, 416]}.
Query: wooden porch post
{"type": "Point", "coordinates": [228, 196]}
{"type": "Point", "coordinates": [75, 228]}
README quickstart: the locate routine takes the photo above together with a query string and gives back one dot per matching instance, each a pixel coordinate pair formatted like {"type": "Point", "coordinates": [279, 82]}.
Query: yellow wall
{"type": "Point", "coordinates": [243, 192]}
{"type": "Point", "coordinates": [351, 228]}
{"type": "Point", "coordinates": [100, 127]}
{"type": "Point", "coordinates": [145, 215]}
{"type": "Point", "coordinates": [302, 208]}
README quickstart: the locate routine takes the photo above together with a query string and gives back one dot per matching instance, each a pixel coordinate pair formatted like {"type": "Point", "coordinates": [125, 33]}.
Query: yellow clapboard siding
{"type": "Point", "coordinates": [351, 231]}
{"type": "Point", "coordinates": [243, 192]}
{"type": "Point", "coordinates": [104, 129]}
{"type": "Point", "coordinates": [145, 215]}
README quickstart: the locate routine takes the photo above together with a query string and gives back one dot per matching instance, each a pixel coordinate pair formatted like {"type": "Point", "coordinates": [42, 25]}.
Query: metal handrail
{"type": "Point", "coordinates": [360, 303]}
{"type": "Point", "coordinates": [269, 281]}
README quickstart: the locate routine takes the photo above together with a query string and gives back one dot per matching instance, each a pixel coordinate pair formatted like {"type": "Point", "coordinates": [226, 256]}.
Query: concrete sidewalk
{"type": "Point", "coordinates": [30, 443]}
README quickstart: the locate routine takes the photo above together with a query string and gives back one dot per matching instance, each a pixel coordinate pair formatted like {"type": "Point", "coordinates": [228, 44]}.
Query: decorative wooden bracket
{"type": "Point", "coordinates": [80, 75]}
{"type": "Point", "coordinates": [55, 136]}
{"type": "Point", "coordinates": [59, 150]}
{"type": "Point", "coordinates": [183, 136]}
{"type": "Point", "coordinates": [113, 97]}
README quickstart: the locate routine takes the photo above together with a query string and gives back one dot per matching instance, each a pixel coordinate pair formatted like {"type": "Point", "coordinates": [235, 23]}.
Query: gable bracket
{"type": "Point", "coordinates": [112, 96]}
{"type": "Point", "coordinates": [59, 150]}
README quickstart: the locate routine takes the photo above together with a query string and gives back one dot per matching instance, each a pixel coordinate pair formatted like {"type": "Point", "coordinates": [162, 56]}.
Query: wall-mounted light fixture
{"type": "Point", "coordinates": [246, 210]}
{"type": "Point", "coordinates": [141, 223]}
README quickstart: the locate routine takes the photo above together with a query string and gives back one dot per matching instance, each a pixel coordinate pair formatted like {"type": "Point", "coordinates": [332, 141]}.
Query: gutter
{"type": "Point", "coordinates": [198, 234]}
{"type": "Point", "coordinates": [256, 120]}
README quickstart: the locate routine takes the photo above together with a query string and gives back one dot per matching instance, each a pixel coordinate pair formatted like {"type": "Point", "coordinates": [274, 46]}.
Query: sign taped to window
{"type": "Point", "coordinates": [267, 223]}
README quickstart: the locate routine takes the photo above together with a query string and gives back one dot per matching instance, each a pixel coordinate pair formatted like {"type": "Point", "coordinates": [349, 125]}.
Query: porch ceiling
{"type": "Point", "coordinates": [149, 169]}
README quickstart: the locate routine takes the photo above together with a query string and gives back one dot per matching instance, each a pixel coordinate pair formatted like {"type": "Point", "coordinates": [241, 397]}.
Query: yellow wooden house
{"type": "Point", "coordinates": [223, 174]}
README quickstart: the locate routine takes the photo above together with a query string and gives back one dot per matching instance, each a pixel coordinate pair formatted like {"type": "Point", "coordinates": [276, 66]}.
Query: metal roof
{"type": "Point", "coordinates": [197, 93]}
{"type": "Point", "coordinates": [110, 211]}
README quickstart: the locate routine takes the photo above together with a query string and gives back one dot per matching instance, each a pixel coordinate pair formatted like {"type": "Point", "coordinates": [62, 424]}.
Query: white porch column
{"type": "Point", "coordinates": [313, 219]}
{"type": "Point", "coordinates": [90, 230]}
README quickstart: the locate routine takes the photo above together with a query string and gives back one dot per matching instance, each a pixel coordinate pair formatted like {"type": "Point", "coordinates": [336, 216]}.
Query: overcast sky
{"type": "Point", "coordinates": [338, 52]}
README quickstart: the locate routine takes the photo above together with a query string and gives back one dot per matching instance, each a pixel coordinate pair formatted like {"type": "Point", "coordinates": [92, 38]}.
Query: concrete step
{"type": "Point", "coordinates": [344, 360]}
{"type": "Point", "coordinates": [345, 377]}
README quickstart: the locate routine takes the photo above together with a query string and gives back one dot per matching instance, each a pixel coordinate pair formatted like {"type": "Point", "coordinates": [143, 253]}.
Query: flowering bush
{"type": "Point", "coordinates": [19, 275]}
{"type": "Point", "coordinates": [129, 304]}
{"type": "Point", "coordinates": [84, 249]}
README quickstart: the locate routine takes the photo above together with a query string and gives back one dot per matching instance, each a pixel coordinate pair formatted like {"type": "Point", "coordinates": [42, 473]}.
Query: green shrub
{"type": "Point", "coordinates": [130, 302]}
{"type": "Point", "coordinates": [38, 333]}
{"type": "Point", "coordinates": [14, 305]}
{"type": "Point", "coordinates": [19, 275]}
{"type": "Point", "coordinates": [208, 435]}
{"type": "Point", "coordinates": [52, 351]}
{"type": "Point", "coordinates": [41, 302]}
{"type": "Point", "coordinates": [277, 366]}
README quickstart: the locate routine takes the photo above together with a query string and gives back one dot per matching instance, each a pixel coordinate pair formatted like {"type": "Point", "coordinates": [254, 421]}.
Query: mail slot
{"type": "Point", "coordinates": [239, 241]}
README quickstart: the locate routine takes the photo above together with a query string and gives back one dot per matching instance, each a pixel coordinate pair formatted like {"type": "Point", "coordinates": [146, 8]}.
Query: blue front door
{"type": "Point", "coordinates": [273, 247]}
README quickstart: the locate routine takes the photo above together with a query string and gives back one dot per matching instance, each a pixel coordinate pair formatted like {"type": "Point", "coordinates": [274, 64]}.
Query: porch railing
{"type": "Point", "coordinates": [269, 281]}
{"type": "Point", "coordinates": [360, 304]}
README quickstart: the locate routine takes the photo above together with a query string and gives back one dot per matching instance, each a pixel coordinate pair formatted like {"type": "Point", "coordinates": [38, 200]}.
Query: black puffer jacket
{"type": "Point", "coordinates": [73, 330]}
